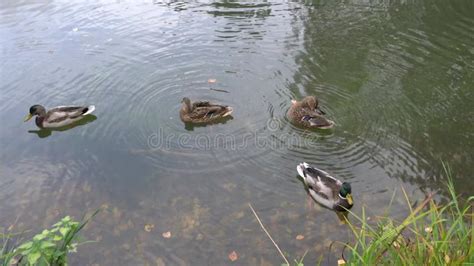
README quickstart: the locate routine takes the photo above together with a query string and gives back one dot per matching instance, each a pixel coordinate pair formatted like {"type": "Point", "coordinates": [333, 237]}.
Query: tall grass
{"type": "Point", "coordinates": [431, 234]}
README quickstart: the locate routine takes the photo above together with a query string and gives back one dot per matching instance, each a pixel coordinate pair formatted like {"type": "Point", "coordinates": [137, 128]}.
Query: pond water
{"type": "Point", "coordinates": [397, 77]}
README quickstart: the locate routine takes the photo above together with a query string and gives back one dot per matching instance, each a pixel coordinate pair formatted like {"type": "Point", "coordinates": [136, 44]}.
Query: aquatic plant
{"type": "Point", "coordinates": [50, 247]}
{"type": "Point", "coordinates": [432, 234]}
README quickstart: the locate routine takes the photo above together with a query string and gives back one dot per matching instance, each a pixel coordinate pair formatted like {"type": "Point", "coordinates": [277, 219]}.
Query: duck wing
{"type": "Point", "coordinates": [208, 112]}
{"type": "Point", "coordinates": [71, 111]}
{"type": "Point", "coordinates": [316, 120]}
{"type": "Point", "coordinates": [319, 180]}
{"type": "Point", "coordinates": [64, 115]}
{"type": "Point", "coordinates": [204, 110]}
{"type": "Point", "coordinates": [201, 104]}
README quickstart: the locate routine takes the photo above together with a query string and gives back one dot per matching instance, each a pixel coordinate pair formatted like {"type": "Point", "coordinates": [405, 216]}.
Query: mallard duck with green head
{"type": "Point", "coordinates": [325, 189]}
{"type": "Point", "coordinates": [306, 113]}
{"type": "Point", "coordinates": [202, 111]}
{"type": "Point", "coordinates": [58, 117]}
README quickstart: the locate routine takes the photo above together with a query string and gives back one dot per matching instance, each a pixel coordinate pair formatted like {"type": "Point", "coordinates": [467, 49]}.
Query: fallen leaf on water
{"type": "Point", "coordinates": [199, 237]}
{"type": "Point", "coordinates": [149, 227]}
{"type": "Point", "coordinates": [233, 256]}
{"type": "Point", "coordinates": [166, 234]}
{"type": "Point", "coordinates": [211, 80]}
{"type": "Point", "coordinates": [299, 237]}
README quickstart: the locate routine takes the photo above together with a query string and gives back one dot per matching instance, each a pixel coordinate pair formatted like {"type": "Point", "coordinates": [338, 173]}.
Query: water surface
{"type": "Point", "coordinates": [395, 76]}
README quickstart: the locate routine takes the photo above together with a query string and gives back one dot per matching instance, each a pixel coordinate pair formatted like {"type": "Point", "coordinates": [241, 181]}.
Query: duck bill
{"type": "Point", "coordinates": [27, 117]}
{"type": "Point", "coordinates": [349, 199]}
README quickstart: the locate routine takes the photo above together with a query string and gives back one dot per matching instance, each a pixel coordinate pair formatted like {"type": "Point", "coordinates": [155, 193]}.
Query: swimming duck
{"type": "Point", "coordinates": [306, 113]}
{"type": "Point", "coordinates": [325, 189]}
{"type": "Point", "coordinates": [59, 116]}
{"type": "Point", "coordinates": [202, 112]}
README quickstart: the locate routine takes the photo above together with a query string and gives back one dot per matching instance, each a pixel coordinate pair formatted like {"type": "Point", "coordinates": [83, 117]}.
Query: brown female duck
{"type": "Point", "coordinates": [306, 113]}
{"type": "Point", "coordinates": [202, 112]}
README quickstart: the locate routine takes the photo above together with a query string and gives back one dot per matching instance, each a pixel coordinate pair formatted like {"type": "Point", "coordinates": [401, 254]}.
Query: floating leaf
{"type": "Point", "coordinates": [299, 237]}
{"type": "Point", "coordinates": [233, 256]}
{"type": "Point", "coordinates": [166, 234]}
{"type": "Point", "coordinates": [149, 227]}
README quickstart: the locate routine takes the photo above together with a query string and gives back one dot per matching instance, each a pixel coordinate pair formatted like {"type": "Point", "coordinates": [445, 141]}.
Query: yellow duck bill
{"type": "Point", "coordinates": [27, 117]}
{"type": "Point", "coordinates": [349, 199]}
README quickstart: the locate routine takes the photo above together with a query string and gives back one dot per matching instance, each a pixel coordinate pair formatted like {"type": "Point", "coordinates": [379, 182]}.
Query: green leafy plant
{"type": "Point", "coordinates": [50, 247]}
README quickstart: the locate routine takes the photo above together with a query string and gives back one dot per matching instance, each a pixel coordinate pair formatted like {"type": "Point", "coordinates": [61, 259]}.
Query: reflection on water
{"type": "Point", "coordinates": [46, 132]}
{"type": "Point", "coordinates": [191, 126]}
{"type": "Point", "coordinates": [396, 77]}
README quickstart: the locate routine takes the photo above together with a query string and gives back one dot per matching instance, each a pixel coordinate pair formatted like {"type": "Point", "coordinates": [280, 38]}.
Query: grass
{"type": "Point", "coordinates": [431, 234]}
{"type": "Point", "coordinates": [50, 247]}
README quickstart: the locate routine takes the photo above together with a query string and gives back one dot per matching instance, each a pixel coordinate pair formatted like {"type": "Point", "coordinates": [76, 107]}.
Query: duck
{"type": "Point", "coordinates": [306, 113]}
{"type": "Point", "coordinates": [58, 117]}
{"type": "Point", "coordinates": [202, 111]}
{"type": "Point", "coordinates": [325, 189]}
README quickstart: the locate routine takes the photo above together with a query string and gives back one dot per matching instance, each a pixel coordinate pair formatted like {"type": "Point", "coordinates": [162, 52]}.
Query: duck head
{"type": "Point", "coordinates": [187, 104]}
{"type": "Point", "coordinates": [312, 103]}
{"type": "Point", "coordinates": [35, 110]}
{"type": "Point", "coordinates": [345, 192]}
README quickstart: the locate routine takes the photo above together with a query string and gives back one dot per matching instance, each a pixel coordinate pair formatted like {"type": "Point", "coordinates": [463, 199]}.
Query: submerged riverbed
{"type": "Point", "coordinates": [396, 77]}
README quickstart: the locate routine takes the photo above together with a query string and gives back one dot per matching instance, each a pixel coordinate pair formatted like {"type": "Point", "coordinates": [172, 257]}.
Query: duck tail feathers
{"type": "Point", "coordinates": [228, 112]}
{"type": "Point", "coordinates": [301, 169]}
{"type": "Point", "coordinates": [90, 109]}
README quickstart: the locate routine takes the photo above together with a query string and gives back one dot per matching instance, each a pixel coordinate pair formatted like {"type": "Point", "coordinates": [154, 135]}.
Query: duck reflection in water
{"type": "Point", "coordinates": [46, 132]}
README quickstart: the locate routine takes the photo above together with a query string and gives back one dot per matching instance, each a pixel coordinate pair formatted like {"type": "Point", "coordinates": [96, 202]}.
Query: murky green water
{"type": "Point", "coordinates": [396, 77]}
